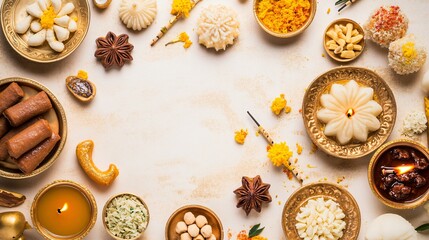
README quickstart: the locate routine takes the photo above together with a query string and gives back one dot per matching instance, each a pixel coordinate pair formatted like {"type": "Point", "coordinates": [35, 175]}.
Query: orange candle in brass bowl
{"type": "Point", "coordinates": [398, 174]}
{"type": "Point", "coordinates": [64, 210]}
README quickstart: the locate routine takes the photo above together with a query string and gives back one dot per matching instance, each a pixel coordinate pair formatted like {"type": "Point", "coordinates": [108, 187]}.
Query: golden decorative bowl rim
{"type": "Point", "coordinates": [331, 53]}
{"type": "Point", "coordinates": [397, 205]}
{"type": "Point", "coordinates": [79, 187]}
{"type": "Point", "coordinates": [310, 106]}
{"type": "Point", "coordinates": [7, 19]}
{"type": "Point", "coordinates": [62, 121]}
{"type": "Point", "coordinates": [190, 206]}
{"type": "Point", "coordinates": [110, 200]}
{"type": "Point", "coordinates": [330, 190]}
{"type": "Point", "coordinates": [289, 34]}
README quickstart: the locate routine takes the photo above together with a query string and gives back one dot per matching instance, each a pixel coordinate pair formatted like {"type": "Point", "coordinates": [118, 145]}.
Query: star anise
{"type": "Point", "coordinates": [252, 194]}
{"type": "Point", "coordinates": [113, 50]}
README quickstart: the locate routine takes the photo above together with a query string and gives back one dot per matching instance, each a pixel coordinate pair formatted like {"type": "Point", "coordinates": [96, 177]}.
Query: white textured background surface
{"type": "Point", "coordinates": [167, 120]}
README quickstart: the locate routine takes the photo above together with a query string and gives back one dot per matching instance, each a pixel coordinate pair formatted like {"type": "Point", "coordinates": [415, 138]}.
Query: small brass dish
{"type": "Point", "coordinates": [331, 191]}
{"type": "Point", "coordinates": [105, 214]}
{"type": "Point", "coordinates": [311, 104]}
{"type": "Point", "coordinates": [371, 169]}
{"type": "Point", "coordinates": [13, 11]}
{"type": "Point", "coordinates": [344, 22]}
{"type": "Point", "coordinates": [56, 118]}
{"type": "Point", "coordinates": [64, 183]}
{"type": "Point", "coordinates": [177, 216]}
{"type": "Point", "coordinates": [289, 34]}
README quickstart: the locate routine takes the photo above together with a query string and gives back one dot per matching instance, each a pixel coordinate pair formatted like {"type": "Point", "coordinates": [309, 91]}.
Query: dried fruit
{"type": "Point", "coordinates": [10, 199]}
{"type": "Point", "coordinates": [81, 87]}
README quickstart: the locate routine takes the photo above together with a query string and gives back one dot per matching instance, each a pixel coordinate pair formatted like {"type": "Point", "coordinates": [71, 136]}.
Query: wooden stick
{"type": "Point", "coordinates": [170, 24]}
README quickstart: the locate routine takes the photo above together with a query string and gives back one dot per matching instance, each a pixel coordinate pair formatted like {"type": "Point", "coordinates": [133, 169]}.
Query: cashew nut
{"type": "Point", "coordinates": [84, 156]}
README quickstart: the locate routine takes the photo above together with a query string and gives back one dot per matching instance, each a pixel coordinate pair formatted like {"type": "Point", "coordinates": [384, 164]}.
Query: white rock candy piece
{"type": "Point", "coordinates": [37, 39]}
{"type": "Point", "coordinates": [185, 236]}
{"type": "Point", "coordinates": [67, 9]}
{"type": "Point", "coordinates": [181, 227]}
{"type": "Point", "coordinates": [340, 100]}
{"type": "Point", "coordinates": [61, 33]}
{"type": "Point", "coordinates": [22, 26]}
{"type": "Point", "coordinates": [193, 230]}
{"type": "Point", "coordinates": [35, 26]}
{"type": "Point", "coordinates": [72, 25]}
{"type": "Point", "coordinates": [199, 237]}
{"type": "Point", "coordinates": [201, 221]}
{"type": "Point", "coordinates": [189, 218]}
{"type": "Point", "coordinates": [206, 231]}
{"type": "Point", "coordinates": [217, 27]}
{"type": "Point", "coordinates": [137, 14]}
{"type": "Point", "coordinates": [34, 10]}
{"type": "Point", "coordinates": [52, 41]}
{"type": "Point", "coordinates": [62, 21]}
{"type": "Point", "coordinates": [57, 5]}
{"type": "Point", "coordinates": [43, 5]}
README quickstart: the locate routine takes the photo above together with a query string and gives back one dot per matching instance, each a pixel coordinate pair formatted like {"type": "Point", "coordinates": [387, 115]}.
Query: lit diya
{"type": "Point", "coordinates": [399, 174]}
{"type": "Point", "coordinates": [64, 210]}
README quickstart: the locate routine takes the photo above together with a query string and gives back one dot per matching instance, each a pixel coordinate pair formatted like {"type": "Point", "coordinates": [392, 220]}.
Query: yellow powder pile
{"type": "Point", "coordinates": [283, 16]}
{"type": "Point", "coordinates": [47, 19]}
{"type": "Point", "coordinates": [240, 136]}
{"type": "Point", "coordinates": [279, 154]}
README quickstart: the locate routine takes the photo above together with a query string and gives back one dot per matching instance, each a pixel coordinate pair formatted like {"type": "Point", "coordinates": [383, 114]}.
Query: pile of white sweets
{"type": "Point", "coordinates": [194, 228]}
{"type": "Point", "coordinates": [321, 220]}
{"type": "Point", "coordinates": [344, 40]}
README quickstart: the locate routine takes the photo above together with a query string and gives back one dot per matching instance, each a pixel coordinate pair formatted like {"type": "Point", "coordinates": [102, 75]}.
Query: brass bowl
{"type": "Point", "coordinates": [331, 191]}
{"type": "Point", "coordinates": [105, 213]}
{"type": "Point", "coordinates": [13, 11]}
{"type": "Point", "coordinates": [311, 104]}
{"type": "Point", "coordinates": [91, 200]}
{"type": "Point", "coordinates": [398, 205]}
{"type": "Point", "coordinates": [58, 124]}
{"type": "Point", "coordinates": [331, 53]}
{"type": "Point", "coordinates": [177, 216]}
{"type": "Point", "coordinates": [289, 34]}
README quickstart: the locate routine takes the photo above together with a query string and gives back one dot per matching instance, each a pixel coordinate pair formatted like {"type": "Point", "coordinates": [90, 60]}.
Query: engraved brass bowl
{"type": "Point", "coordinates": [331, 53]}
{"type": "Point", "coordinates": [212, 219]}
{"type": "Point", "coordinates": [328, 191]}
{"type": "Point", "coordinates": [14, 10]}
{"type": "Point", "coordinates": [313, 7]}
{"type": "Point", "coordinates": [311, 104]}
{"type": "Point", "coordinates": [371, 168]}
{"type": "Point", "coordinates": [91, 200]}
{"type": "Point", "coordinates": [105, 214]}
{"type": "Point", "coordinates": [56, 118]}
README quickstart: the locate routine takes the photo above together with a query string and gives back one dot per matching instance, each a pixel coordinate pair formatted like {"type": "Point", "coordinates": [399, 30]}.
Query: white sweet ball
{"type": "Point", "coordinates": [212, 237]}
{"type": "Point", "coordinates": [185, 236]}
{"type": "Point", "coordinates": [206, 231]}
{"type": "Point", "coordinates": [189, 218]}
{"type": "Point", "coordinates": [193, 230]}
{"type": "Point", "coordinates": [181, 227]}
{"type": "Point", "coordinates": [201, 221]}
{"type": "Point", "coordinates": [199, 237]}
{"type": "Point", "coordinates": [425, 82]}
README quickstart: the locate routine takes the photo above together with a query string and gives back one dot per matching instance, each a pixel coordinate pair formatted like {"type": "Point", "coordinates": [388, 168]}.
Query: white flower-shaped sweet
{"type": "Point", "coordinates": [48, 20]}
{"type": "Point", "coordinates": [349, 111]}
{"type": "Point", "coordinates": [217, 27]}
{"type": "Point", "coordinates": [137, 14]}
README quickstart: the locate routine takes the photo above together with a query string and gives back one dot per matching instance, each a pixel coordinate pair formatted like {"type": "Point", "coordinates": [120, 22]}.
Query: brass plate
{"type": "Point", "coordinates": [289, 34]}
{"type": "Point", "coordinates": [331, 53]}
{"type": "Point", "coordinates": [14, 10]}
{"type": "Point", "coordinates": [59, 125]}
{"type": "Point", "coordinates": [328, 191]}
{"type": "Point", "coordinates": [398, 205]}
{"type": "Point", "coordinates": [93, 204]}
{"type": "Point", "coordinates": [177, 216]}
{"type": "Point", "coordinates": [104, 215]}
{"type": "Point", "coordinates": [311, 104]}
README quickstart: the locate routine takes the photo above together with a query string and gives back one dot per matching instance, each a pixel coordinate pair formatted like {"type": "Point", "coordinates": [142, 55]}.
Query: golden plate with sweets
{"type": "Point", "coordinates": [327, 191]}
{"type": "Point", "coordinates": [382, 94]}
{"type": "Point", "coordinates": [14, 13]}
{"type": "Point", "coordinates": [56, 118]}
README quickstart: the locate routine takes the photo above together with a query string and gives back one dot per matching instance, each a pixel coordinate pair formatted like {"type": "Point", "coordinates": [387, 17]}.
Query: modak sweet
{"type": "Point", "coordinates": [137, 14]}
{"type": "Point", "coordinates": [349, 112]}
{"type": "Point", "coordinates": [217, 27]}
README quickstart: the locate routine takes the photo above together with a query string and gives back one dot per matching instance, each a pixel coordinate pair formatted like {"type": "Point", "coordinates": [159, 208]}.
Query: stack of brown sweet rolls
{"type": "Point", "coordinates": [26, 138]}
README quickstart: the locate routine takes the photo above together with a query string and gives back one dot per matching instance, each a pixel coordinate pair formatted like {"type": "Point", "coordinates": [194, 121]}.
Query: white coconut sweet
{"type": "Point", "coordinates": [390, 227]}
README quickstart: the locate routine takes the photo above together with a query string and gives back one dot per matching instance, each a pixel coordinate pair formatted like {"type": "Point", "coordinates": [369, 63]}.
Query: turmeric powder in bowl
{"type": "Point", "coordinates": [284, 18]}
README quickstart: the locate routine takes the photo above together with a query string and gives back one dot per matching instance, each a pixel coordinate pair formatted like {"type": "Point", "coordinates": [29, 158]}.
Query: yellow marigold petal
{"type": "Point", "coordinates": [240, 136]}
{"type": "Point", "coordinates": [82, 74]}
{"type": "Point", "coordinates": [187, 44]}
{"type": "Point", "coordinates": [279, 154]}
{"type": "Point", "coordinates": [278, 104]}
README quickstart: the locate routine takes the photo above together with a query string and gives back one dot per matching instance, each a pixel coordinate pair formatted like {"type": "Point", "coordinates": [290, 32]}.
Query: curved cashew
{"type": "Point", "coordinates": [84, 156]}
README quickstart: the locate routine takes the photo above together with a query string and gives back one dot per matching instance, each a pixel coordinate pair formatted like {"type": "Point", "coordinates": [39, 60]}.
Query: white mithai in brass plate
{"type": "Point", "coordinates": [14, 11]}
{"type": "Point", "coordinates": [383, 95]}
